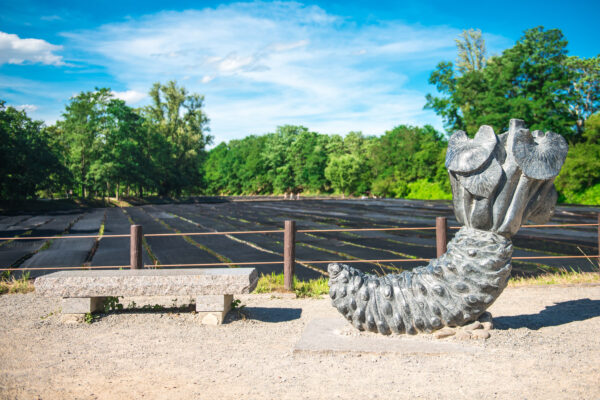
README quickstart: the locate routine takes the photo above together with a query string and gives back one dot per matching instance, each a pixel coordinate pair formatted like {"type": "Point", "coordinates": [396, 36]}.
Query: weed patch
{"type": "Point", "coordinates": [274, 283]}
{"type": "Point", "coordinates": [112, 304]}
{"type": "Point", "coordinates": [10, 284]}
{"type": "Point", "coordinates": [239, 309]}
{"type": "Point", "coordinates": [563, 277]}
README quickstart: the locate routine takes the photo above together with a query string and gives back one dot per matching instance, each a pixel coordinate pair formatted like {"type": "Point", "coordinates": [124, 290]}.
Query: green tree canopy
{"type": "Point", "coordinates": [83, 122]}
{"type": "Point", "coordinates": [405, 154]}
{"type": "Point", "coordinates": [344, 172]}
{"type": "Point", "coordinates": [585, 88]}
{"type": "Point", "coordinates": [179, 118]}
{"type": "Point", "coordinates": [471, 51]}
{"type": "Point", "coordinates": [531, 81]}
{"type": "Point", "coordinates": [27, 162]}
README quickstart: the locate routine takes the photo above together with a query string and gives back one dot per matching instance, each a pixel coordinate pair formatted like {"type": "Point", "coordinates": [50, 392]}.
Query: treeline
{"type": "Point", "coordinates": [404, 162]}
{"type": "Point", "coordinates": [101, 147]}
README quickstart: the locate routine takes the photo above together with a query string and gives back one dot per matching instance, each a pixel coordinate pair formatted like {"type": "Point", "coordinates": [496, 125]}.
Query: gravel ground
{"type": "Point", "coordinates": [546, 345]}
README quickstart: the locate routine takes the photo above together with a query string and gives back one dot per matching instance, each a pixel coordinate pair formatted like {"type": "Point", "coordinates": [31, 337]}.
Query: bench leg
{"type": "Point", "coordinates": [213, 308]}
{"type": "Point", "coordinates": [82, 305]}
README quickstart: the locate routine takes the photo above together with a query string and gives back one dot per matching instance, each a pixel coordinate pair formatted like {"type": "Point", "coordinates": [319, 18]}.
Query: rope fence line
{"type": "Point", "coordinates": [212, 233]}
{"type": "Point", "coordinates": [63, 237]}
{"type": "Point", "coordinates": [365, 229]}
{"type": "Point", "coordinates": [268, 231]}
{"type": "Point", "coordinates": [267, 263]}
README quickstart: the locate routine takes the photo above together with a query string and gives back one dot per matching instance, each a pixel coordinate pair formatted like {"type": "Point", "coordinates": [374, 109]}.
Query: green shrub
{"type": "Point", "coordinates": [422, 189]}
{"type": "Point", "coordinates": [590, 196]}
{"type": "Point", "coordinates": [274, 283]}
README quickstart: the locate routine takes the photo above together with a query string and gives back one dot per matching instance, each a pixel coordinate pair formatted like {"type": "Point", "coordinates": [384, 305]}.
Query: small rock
{"type": "Point", "coordinates": [444, 333]}
{"type": "Point", "coordinates": [485, 317]}
{"type": "Point", "coordinates": [481, 334]}
{"type": "Point", "coordinates": [210, 319]}
{"type": "Point", "coordinates": [488, 325]}
{"type": "Point", "coordinates": [463, 335]}
{"type": "Point", "coordinates": [72, 318]}
{"type": "Point", "coordinates": [472, 326]}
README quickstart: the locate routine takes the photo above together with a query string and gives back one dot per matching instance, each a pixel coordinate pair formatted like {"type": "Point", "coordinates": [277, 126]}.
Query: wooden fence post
{"type": "Point", "coordinates": [289, 254]}
{"type": "Point", "coordinates": [441, 229]}
{"type": "Point", "coordinates": [135, 258]}
{"type": "Point", "coordinates": [599, 242]}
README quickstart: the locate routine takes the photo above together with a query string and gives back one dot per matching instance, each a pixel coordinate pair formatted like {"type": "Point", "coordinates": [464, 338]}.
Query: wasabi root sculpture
{"type": "Point", "coordinates": [497, 183]}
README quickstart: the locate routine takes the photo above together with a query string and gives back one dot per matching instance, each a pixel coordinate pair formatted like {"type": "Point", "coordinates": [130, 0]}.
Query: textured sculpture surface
{"type": "Point", "coordinates": [497, 183]}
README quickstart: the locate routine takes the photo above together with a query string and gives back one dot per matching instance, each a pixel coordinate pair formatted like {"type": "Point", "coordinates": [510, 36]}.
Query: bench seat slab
{"type": "Point", "coordinates": [148, 282]}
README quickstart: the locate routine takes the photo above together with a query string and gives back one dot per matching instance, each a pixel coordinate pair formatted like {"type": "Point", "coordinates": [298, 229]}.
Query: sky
{"type": "Point", "coordinates": [333, 67]}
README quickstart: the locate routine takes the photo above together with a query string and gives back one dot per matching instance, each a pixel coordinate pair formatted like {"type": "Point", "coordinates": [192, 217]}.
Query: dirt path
{"type": "Point", "coordinates": [546, 346]}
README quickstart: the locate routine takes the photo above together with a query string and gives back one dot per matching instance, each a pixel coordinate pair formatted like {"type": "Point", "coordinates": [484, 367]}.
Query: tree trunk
{"type": "Point", "coordinates": [118, 189]}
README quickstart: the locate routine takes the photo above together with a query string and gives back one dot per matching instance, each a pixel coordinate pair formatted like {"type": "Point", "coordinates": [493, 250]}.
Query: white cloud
{"type": "Point", "coordinates": [14, 50]}
{"type": "Point", "coordinates": [273, 63]}
{"type": "Point", "coordinates": [130, 96]}
{"type": "Point", "coordinates": [233, 63]}
{"type": "Point", "coordinates": [27, 107]}
{"type": "Point", "coordinates": [51, 18]}
{"type": "Point", "coordinates": [289, 46]}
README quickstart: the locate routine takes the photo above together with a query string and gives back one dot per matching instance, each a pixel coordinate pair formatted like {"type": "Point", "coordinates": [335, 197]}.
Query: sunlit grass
{"type": "Point", "coordinates": [557, 278]}
{"type": "Point", "coordinates": [10, 284]}
{"type": "Point", "coordinates": [119, 203]}
{"type": "Point", "coordinates": [274, 283]}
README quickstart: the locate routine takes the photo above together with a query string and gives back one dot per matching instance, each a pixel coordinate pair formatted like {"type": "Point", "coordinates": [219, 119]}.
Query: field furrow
{"type": "Point", "coordinates": [223, 215]}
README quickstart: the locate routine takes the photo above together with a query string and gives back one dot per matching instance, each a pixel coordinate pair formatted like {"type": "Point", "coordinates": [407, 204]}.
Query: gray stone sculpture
{"type": "Point", "coordinates": [497, 182]}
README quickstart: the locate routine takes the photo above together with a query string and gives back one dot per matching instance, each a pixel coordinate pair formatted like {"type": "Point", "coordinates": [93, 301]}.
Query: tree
{"type": "Point", "coordinates": [179, 118]}
{"type": "Point", "coordinates": [309, 159]}
{"type": "Point", "coordinates": [591, 134]}
{"type": "Point", "coordinates": [27, 163]}
{"type": "Point", "coordinates": [406, 154]}
{"type": "Point", "coordinates": [471, 51]}
{"type": "Point", "coordinates": [119, 147]}
{"type": "Point", "coordinates": [581, 171]}
{"type": "Point", "coordinates": [447, 105]}
{"type": "Point", "coordinates": [344, 172]}
{"type": "Point", "coordinates": [60, 179]}
{"type": "Point", "coordinates": [278, 157]}
{"type": "Point", "coordinates": [84, 119]}
{"type": "Point", "coordinates": [585, 88]}
{"type": "Point", "coordinates": [530, 81]}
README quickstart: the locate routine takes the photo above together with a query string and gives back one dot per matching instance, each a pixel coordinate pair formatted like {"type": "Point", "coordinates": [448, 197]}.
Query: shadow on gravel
{"type": "Point", "coordinates": [148, 309]}
{"type": "Point", "coordinates": [557, 314]}
{"type": "Point", "coordinates": [262, 314]}
{"type": "Point", "coordinates": [272, 314]}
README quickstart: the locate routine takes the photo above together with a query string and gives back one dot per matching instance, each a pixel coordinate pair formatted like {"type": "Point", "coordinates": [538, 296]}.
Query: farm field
{"type": "Point", "coordinates": [242, 215]}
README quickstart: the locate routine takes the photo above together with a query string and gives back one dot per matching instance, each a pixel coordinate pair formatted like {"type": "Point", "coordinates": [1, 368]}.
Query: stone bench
{"type": "Point", "coordinates": [85, 291]}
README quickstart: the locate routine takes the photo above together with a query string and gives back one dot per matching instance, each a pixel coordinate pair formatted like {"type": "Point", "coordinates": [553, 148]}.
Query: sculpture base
{"type": "Point", "coordinates": [333, 335]}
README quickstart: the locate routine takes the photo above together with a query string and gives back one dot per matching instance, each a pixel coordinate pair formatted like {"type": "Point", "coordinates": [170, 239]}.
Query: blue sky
{"type": "Point", "coordinates": [330, 66]}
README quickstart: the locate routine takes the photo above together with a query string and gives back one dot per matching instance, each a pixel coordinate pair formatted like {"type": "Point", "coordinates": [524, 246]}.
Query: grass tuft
{"type": "Point", "coordinates": [563, 277]}
{"type": "Point", "coordinates": [9, 284]}
{"type": "Point", "coordinates": [274, 283]}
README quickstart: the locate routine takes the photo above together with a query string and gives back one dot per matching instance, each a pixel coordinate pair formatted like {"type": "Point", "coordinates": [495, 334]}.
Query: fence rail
{"type": "Point", "coordinates": [289, 259]}
{"type": "Point", "coordinates": [419, 228]}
